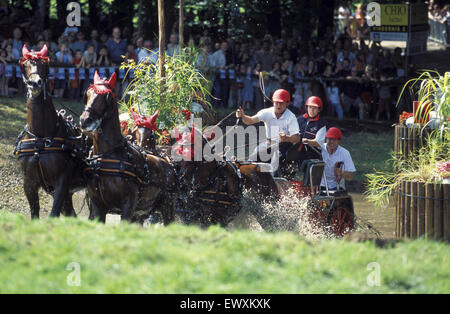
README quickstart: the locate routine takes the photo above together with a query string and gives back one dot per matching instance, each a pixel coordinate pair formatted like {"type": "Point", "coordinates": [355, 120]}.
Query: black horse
{"type": "Point", "coordinates": [211, 190]}
{"type": "Point", "coordinates": [120, 176]}
{"type": "Point", "coordinates": [49, 148]}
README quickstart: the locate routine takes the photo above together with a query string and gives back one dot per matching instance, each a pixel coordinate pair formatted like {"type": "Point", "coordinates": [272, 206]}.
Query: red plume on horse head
{"type": "Point", "coordinates": [146, 122]}
{"type": "Point", "coordinates": [42, 54]}
{"type": "Point", "coordinates": [99, 84]}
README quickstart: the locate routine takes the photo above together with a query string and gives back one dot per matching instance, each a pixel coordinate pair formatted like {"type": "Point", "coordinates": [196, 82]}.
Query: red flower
{"type": "Point", "coordinates": [187, 114]}
{"type": "Point", "coordinates": [404, 116]}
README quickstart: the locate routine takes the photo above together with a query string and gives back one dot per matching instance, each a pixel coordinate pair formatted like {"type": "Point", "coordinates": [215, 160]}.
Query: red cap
{"type": "Point", "coordinates": [334, 133]}
{"type": "Point", "coordinates": [314, 101]}
{"type": "Point", "coordinates": [281, 95]}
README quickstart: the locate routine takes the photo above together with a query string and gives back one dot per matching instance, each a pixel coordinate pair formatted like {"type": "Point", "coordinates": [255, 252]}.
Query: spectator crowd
{"type": "Point", "coordinates": [353, 78]}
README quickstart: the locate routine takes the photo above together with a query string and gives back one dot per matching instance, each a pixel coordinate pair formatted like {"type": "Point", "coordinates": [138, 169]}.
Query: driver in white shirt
{"type": "Point", "coordinates": [338, 162]}
{"type": "Point", "coordinates": [282, 128]}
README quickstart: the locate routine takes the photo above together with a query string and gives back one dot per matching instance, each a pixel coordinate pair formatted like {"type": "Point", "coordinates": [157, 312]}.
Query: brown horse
{"type": "Point", "coordinates": [211, 190]}
{"type": "Point", "coordinates": [120, 176]}
{"type": "Point", "coordinates": [144, 131]}
{"type": "Point", "coordinates": [49, 148]}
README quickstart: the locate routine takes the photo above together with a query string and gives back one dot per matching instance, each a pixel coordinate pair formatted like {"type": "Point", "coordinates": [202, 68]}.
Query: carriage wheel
{"type": "Point", "coordinates": [341, 221]}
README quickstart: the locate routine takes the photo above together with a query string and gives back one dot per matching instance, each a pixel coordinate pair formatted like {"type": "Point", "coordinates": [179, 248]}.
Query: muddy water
{"type": "Point", "coordinates": [383, 220]}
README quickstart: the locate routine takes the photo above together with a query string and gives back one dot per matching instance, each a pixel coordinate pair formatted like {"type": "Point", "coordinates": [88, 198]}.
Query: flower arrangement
{"type": "Point", "coordinates": [404, 116]}
{"type": "Point", "coordinates": [172, 95]}
{"type": "Point", "coordinates": [443, 169]}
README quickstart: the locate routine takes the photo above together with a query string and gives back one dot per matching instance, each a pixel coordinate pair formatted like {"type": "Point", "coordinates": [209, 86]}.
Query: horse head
{"type": "Point", "coordinates": [145, 128]}
{"type": "Point", "coordinates": [99, 103]}
{"type": "Point", "coordinates": [35, 68]}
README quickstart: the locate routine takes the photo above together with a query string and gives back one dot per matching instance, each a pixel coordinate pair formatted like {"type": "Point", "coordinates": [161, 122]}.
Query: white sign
{"type": "Point", "coordinates": [388, 36]}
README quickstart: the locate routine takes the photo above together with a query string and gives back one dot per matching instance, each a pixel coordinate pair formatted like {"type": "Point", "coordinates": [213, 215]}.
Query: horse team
{"type": "Point", "coordinates": [120, 176]}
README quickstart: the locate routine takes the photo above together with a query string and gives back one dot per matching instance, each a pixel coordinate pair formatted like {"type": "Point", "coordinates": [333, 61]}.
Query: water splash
{"type": "Point", "coordinates": [288, 213]}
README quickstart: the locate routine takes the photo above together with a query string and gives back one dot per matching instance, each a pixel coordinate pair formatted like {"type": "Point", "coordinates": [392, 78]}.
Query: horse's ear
{"type": "Point", "coordinates": [112, 80]}
{"type": "Point", "coordinates": [44, 51]}
{"type": "Point", "coordinates": [153, 120]}
{"type": "Point", "coordinates": [25, 50]}
{"type": "Point", "coordinates": [97, 79]}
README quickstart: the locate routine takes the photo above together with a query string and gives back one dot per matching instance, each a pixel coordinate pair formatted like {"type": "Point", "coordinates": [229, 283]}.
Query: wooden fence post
{"type": "Point", "coordinates": [421, 209]}
{"type": "Point", "coordinates": [438, 206]}
{"type": "Point", "coordinates": [429, 210]}
{"type": "Point", "coordinates": [413, 219]}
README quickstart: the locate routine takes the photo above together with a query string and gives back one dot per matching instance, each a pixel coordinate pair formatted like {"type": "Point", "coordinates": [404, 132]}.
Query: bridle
{"type": "Point", "coordinates": [30, 84]}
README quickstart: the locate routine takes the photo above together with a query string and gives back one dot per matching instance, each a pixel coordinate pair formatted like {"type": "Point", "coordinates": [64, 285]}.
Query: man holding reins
{"type": "Point", "coordinates": [338, 161]}
{"type": "Point", "coordinates": [282, 128]}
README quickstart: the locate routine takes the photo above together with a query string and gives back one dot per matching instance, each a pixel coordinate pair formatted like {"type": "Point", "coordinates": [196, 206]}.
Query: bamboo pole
{"type": "Point", "coordinates": [421, 209]}
{"type": "Point", "coordinates": [181, 24]}
{"type": "Point", "coordinates": [408, 210]}
{"type": "Point", "coordinates": [413, 217]}
{"type": "Point", "coordinates": [438, 206]}
{"type": "Point", "coordinates": [446, 218]}
{"type": "Point", "coordinates": [162, 48]}
{"type": "Point", "coordinates": [402, 209]}
{"type": "Point", "coordinates": [429, 203]}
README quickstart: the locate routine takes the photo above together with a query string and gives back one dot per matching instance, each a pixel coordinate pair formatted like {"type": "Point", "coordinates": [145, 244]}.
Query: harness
{"type": "Point", "coordinates": [36, 146]}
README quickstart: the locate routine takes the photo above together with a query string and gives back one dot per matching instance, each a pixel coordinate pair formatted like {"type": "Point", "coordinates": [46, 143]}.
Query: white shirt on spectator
{"type": "Point", "coordinates": [218, 59]}
{"type": "Point", "coordinates": [333, 93]}
{"type": "Point", "coordinates": [340, 155]}
{"type": "Point", "coordinates": [145, 55]}
{"type": "Point", "coordinates": [287, 123]}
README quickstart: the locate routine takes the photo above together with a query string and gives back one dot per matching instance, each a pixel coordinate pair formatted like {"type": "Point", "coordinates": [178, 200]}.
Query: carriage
{"type": "Point", "coordinates": [126, 176]}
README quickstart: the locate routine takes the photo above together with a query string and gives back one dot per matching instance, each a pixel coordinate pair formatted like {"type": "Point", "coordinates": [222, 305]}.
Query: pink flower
{"type": "Point", "coordinates": [443, 169]}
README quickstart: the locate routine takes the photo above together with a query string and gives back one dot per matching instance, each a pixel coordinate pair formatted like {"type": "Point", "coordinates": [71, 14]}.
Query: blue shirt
{"type": "Point", "coordinates": [116, 50]}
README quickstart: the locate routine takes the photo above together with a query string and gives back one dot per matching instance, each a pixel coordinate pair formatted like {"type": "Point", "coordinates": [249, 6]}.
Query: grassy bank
{"type": "Point", "coordinates": [127, 258]}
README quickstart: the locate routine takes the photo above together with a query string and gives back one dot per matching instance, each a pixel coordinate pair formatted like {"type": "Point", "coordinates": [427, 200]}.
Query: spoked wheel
{"type": "Point", "coordinates": [342, 221]}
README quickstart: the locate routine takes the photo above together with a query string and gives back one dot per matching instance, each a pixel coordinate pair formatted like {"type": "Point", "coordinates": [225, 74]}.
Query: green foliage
{"type": "Point", "coordinates": [433, 93]}
{"type": "Point", "coordinates": [178, 259]}
{"type": "Point", "coordinates": [181, 86]}
{"type": "Point", "coordinates": [420, 168]}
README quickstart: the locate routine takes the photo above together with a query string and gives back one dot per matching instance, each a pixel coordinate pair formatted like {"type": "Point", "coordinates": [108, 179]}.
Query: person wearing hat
{"type": "Point", "coordinates": [312, 132]}
{"type": "Point", "coordinates": [339, 165]}
{"type": "Point", "coordinates": [281, 128]}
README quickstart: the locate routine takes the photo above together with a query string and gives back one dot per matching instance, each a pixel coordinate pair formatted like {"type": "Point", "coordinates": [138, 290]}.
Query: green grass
{"type": "Point", "coordinates": [177, 259]}
{"type": "Point", "coordinates": [369, 152]}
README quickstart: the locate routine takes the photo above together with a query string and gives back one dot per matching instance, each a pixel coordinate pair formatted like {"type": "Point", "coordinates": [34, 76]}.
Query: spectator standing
{"type": "Point", "coordinates": [334, 99]}
{"type": "Point", "coordinates": [258, 96]}
{"type": "Point", "coordinates": [139, 45]}
{"type": "Point", "coordinates": [17, 43]}
{"type": "Point", "coordinates": [147, 53]}
{"type": "Point", "coordinates": [247, 90]}
{"type": "Point", "coordinates": [384, 102]}
{"type": "Point", "coordinates": [265, 57]}
{"type": "Point", "coordinates": [89, 60]}
{"type": "Point", "coordinates": [94, 40]}
{"type": "Point", "coordinates": [79, 44]}
{"type": "Point", "coordinates": [63, 58]}
{"type": "Point", "coordinates": [74, 91]}
{"type": "Point", "coordinates": [351, 91]}
{"type": "Point", "coordinates": [219, 64]}
{"type": "Point", "coordinates": [117, 47]}
{"type": "Point", "coordinates": [172, 47]}
{"type": "Point", "coordinates": [367, 88]}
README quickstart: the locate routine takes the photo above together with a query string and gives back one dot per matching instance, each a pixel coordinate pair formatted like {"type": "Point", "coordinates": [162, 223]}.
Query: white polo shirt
{"type": "Point", "coordinates": [287, 123]}
{"type": "Point", "coordinates": [340, 155]}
